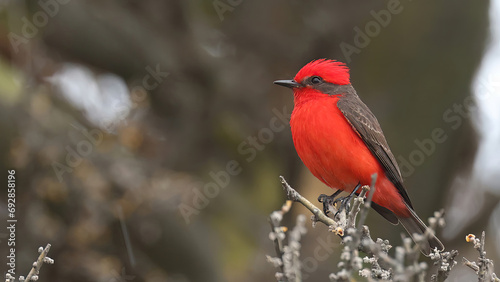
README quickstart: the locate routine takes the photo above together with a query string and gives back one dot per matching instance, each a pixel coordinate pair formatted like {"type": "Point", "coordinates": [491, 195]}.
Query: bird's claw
{"type": "Point", "coordinates": [331, 201]}
{"type": "Point", "coordinates": [328, 201]}
{"type": "Point", "coordinates": [344, 203]}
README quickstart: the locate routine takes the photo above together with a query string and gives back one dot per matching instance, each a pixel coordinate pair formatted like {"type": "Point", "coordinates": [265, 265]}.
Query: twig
{"type": "Point", "coordinates": [403, 267]}
{"type": "Point", "coordinates": [292, 250]}
{"type": "Point", "coordinates": [368, 202]}
{"type": "Point", "coordinates": [353, 239]}
{"type": "Point", "coordinates": [278, 233]}
{"type": "Point", "coordinates": [42, 258]}
{"type": "Point", "coordinates": [287, 258]}
{"type": "Point", "coordinates": [444, 261]}
{"type": "Point", "coordinates": [484, 266]}
{"type": "Point", "coordinates": [296, 197]}
{"type": "Point", "coordinates": [343, 221]}
{"type": "Point", "coordinates": [35, 270]}
{"type": "Point", "coordinates": [356, 207]}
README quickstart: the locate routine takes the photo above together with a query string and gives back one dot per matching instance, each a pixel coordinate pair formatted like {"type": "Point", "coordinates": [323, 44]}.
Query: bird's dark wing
{"type": "Point", "coordinates": [367, 127]}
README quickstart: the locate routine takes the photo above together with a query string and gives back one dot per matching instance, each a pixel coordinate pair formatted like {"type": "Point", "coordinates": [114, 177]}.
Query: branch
{"type": "Point", "coordinates": [296, 197]}
{"type": "Point", "coordinates": [444, 261]}
{"type": "Point", "coordinates": [342, 220]}
{"type": "Point", "coordinates": [484, 266]}
{"type": "Point", "coordinates": [35, 270]}
{"type": "Point", "coordinates": [42, 258]}
{"type": "Point", "coordinates": [287, 255]}
{"type": "Point", "coordinates": [403, 267]}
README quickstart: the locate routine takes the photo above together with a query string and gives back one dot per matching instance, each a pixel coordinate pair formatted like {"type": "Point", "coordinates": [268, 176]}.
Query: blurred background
{"type": "Point", "coordinates": [147, 136]}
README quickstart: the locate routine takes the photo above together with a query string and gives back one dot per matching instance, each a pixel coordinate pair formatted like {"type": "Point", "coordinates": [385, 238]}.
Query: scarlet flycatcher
{"type": "Point", "coordinates": [339, 139]}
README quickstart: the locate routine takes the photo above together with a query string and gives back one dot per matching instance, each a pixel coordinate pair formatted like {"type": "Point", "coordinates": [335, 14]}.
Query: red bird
{"type": "Point", "coordinates": [339, 139]}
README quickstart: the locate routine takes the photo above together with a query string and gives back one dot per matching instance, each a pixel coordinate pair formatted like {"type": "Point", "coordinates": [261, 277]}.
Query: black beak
{"type": "Point", "coordinates": [287, 83]}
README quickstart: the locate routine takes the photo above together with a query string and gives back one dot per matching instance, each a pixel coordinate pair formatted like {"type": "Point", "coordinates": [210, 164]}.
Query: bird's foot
{"type": "Point", "coordinates": [345, 201]}
{"type": "Point", "coordinates": [328, 201]}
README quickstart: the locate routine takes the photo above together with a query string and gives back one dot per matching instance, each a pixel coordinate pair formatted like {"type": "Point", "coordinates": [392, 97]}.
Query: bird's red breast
{"type": "Point", "coordinates": [331, 149]}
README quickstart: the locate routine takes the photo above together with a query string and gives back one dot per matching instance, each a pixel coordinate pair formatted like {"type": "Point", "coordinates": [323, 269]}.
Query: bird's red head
{"type": "Point", "coordinates": [316, 73]}
{"type": "Point", "coordinates": [311, 79]}
{"type": "Point", "coordinates": [330, 71]}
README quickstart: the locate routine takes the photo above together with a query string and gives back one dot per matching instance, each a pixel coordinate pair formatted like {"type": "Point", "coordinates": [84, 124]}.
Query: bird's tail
{"type": "Point", "coordinates": [413, 224]}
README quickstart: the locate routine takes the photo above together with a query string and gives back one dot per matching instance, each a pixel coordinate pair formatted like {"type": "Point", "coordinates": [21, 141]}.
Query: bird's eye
{"type": "Point", "coordinates": [316, 80]}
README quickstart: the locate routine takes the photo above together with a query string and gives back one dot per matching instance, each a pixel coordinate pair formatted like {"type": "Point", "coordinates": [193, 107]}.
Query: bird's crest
{"type": "Point", "coordinates": [330, 70]}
